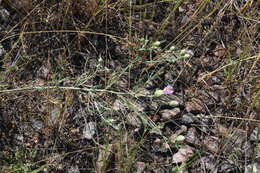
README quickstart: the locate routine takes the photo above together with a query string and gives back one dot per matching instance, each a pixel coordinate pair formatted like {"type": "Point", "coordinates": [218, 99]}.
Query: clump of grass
{"type": "Point", "coordinates": [18, 162]}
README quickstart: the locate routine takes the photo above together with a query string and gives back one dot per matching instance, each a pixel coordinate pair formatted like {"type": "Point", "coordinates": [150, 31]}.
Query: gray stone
{"type": "Point", "coordinates": [252, 168]}
{"type": "Point", "coordinates": [37, 124]}
{"type": "Point", "coordinates": [168, 114]}
{"type": "Point", "coordinates": [2, 50]}
{"type": "Point", "coordinates": [89, 130]}
{"type": "Point", "coordinates": [255, 135]}
{"type": "Point", "coordinates": [4, 15]}
{"type": "Point", "coordinates": [133, 119]}
{"type": "Point", "coordinates": [74, 169]}
{"type": "Point", "coordinates": [188, 118]}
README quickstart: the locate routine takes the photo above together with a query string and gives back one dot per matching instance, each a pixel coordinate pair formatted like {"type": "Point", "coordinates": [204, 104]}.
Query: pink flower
{"type": "Point", "coordinates": [168, 90]}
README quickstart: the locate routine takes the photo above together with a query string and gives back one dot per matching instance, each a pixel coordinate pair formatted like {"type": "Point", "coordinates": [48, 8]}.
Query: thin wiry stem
{"type": "Point", "coordinates": [61, 87]}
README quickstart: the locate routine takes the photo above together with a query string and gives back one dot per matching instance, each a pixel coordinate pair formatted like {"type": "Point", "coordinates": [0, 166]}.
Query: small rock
{"type": "Point", "coordinates": [211, 143]}
{"type": "Point", "coordinates": [216, 80]}
{"type": "Point", "coordinates": [248, 149]}
{"type": "Point", "coordinates": [214, 95]}
{"type": "Point", "coordinates": [188, 118]}
{"type": "Point", "coordinates": [74, 169]}
{"type": "Point", "coordinates": [253, 168]}
{"type": "Point", "coordinates": [157, 141]}
{"type": "Point", "coordinates": [168, 114]}
{"type": "Point", "coordinates": [39, 82]}
{"type": "Point", "coordinates": [255, 135]}
{"type": "Point", "coordinates": [239, 135]}
{"type": "Point", "coordinates": [19, 139]}
{"type": "Point", "coordinates": [140, 167]}
{"type": "Point", "coordinates": [208, 163]}
{"type": "Point", "coordinates": [184, 154]}
{"type": "Point", "coordinates": [168, 76]}
{"type": "Point", "coordinates": [204, 121]}
{"type": "Point", "coordinates": [26, 127]}
{"type": "Point", "coordinates": [222, 130]}
{"type": "Point", "coordinates": [133, 119]}
{"type": "Point", "coordinates": [181, 9]}
{"type": "Point", "coordinates": [165, 147]}
{"type": "Point", "coordinates": [220, 51]}
{"type": "Point", "coordinates": [4, 15]}
{"type": "Point", "coordinates": [55, 114]}
{"type": "Point", "coordinates": [190, 52]}
{"type": "Point", "coordinates": [37, 124]}
{"type": "Point", "coordinates": [139, 106]}
{"type": "Point", "coordinates": [156, 117]}
{"type": "Point", "coordinates": [195, 105]}
{"type": "Point", "coordinates": [228, 167]}
{"type": "Point", "coordinates": [89, 130]}
{"type": "Point", "coordinates": [239, 51]}
{"type": "Point", "coordinates": [209, 97]}
{"type": "Point", "coordinates": [192, 136]}
{"type": "Point", "coordinates": [118, 105]}
{"type": "Point", "coordinates": [123, 83]}
{"type": "Point", "coordinates": [2, 50]}
{"type": "Point", "coordinates": [43, 72]}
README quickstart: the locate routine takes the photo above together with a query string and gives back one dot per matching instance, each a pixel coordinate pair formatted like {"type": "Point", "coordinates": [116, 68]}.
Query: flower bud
{"type": "Point", "coordinates": [186, 56]}
{"type": "Point", "coordinates": [172, 48]}
{"type": "Point", "coordinates": [158, 93]}
{"type": "Point", "coordinates": [156, 44]}
{"type": "Point", "coordinates": [183, 52]}
{"type": "Point", "coordinates": [173, 103]}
